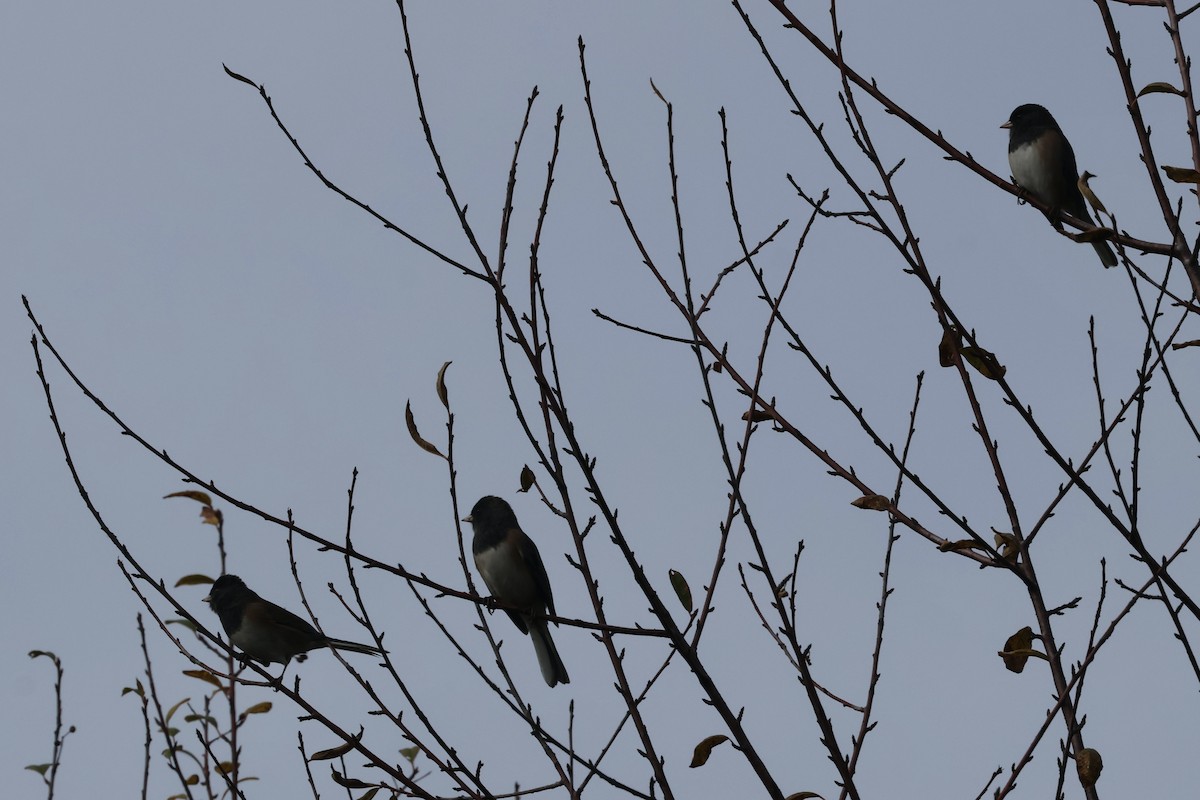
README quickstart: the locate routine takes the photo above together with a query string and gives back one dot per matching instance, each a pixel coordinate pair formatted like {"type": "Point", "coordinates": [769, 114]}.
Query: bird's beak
{"type": "Point", "coordinates": [1007, 124]}
{"type": "Point", "coordinates": [468, 518]}
{"type": "Point", "coordinates": [207, 598]}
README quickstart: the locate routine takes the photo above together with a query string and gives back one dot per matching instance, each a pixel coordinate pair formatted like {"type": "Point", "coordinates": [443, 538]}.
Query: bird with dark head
{"type": "Point", "coordinates": [1043, 164]}
{"type": "Point", "coordinates": [264, 631]}
{"type": "Point", "coordinates": [509, 563]}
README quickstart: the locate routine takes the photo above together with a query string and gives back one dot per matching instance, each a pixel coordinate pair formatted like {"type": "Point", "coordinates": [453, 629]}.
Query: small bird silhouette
{"type": "Point", "coordinates": [266, 632]}
{"type": "Point", "coordinates": [510, 565]}
{"type": "Point", "coordinates": [1043, 164]}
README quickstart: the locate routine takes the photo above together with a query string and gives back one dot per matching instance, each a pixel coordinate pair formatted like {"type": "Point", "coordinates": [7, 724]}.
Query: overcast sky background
{"type": "Point", "coordinates": [268, 334]}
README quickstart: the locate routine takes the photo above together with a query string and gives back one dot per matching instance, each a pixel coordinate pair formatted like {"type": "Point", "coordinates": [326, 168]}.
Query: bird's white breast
{"type": "Point", "coordinates": [1030, 170]}
{"type": "Point", "coordinates": [507, 577]}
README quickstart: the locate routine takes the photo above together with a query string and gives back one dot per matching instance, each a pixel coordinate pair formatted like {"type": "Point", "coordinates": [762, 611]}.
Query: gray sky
{"type": "Point", "coordinates": [267, 334]}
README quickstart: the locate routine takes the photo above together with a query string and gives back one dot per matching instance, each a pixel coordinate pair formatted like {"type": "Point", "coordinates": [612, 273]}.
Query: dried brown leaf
{"type": "Point", "coordinates": [1159, 87]}
{"type": "Point", "coordinates": [1089, 195]}
{"type": "Point", "coordinates": [872, 502]}
{"type": "Point", "coordinates": [984, 362]}
{"type": "Point", "coordinates": [704, 749]}
{"type": "Point", "coordinates": [442, 394]}
{"type": "Point", "coordinates": [1182, 174]}
{"type": "Point", "coordinates": [1088, 765]}
{"type": "Point", "coordinates": [416, 435]}
{"type": "Point", "coordinates": [199, 497]}
{"type": "Point", "coordinates": [951, 341]}
{"type": "Point", "coordinates": [528, 479]}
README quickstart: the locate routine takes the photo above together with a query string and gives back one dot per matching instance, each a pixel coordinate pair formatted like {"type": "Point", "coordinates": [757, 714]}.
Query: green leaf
{"type": "Point", "coordinates": [208, 718]}
{"type": "Point", "coordinates": [175, 707]}
{"type": "Point", "coordinates": [340, 750]}
{"type": "Point", "coordinates": [349, 783]}
{"type": "Point", "coordinates": [257, 708]}
{"type": "Point", "coordinates": [203, 675]}
{"type": "Point", "coordinates": [40, 769]}
{"type": "Point", "coordinates": [1159, 87]}
{"type": "Point", "coordinates": [682, 590]}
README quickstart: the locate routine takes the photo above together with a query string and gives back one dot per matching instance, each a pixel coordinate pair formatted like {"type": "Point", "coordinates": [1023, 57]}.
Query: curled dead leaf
{"type": "Point", "coordinates": [199, 497]}
{"type": "Point", "coordinates": [348, 782]}
{"type": "Point", "coordinates": [984, 362]}
{"type": "Point", "coordinates": [872, 502]}
{"type": "Point", "coordinates": [1088, 194]}
{"type": "Point", "coordinates": [340, 750]}
{"type": "Point", "coordinates": [1006, 543]}
{"type": "Point", "coordinates": [1159, 87]}
{"type": "Point", "coordinates": [961, 544]}
{"type": "Point", "coordinates": [238, 77]}
{"type": "Point", "coordinates": [1018, 649]}
{"type": "Point", "coordinates": [704, 749]}
{"type": "Point", "coordinates": [528, 479]}
{"type": "Point", "coordinates": [657, 93]}
{"type": "Point", "coordinates": [951, 341]}
{"type": "Point", "coordinates": [1088, 765]}
{"type": "Point", "coordinates": [442, 394]}
{"type": "Point", "coordinates": [415, 434]}
{"type": "Point", "coordinates": [1182, 174]}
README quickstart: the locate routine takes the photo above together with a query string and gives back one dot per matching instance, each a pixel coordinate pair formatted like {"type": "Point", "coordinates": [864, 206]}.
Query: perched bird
{"type": "Point", "coordinates": [1043, 164]}
{"type": "Point", "coordinates": [266, 632]}
{"type": "Point", "coordinates": [509, 563]}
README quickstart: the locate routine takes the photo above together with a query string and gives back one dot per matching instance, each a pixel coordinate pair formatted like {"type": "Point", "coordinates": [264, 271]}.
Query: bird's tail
{"type": "Point", "coordinates": [354, 647]}
{"type": "Point", "coordinates": [1106, 254]}
{"type": "Point", "coordinates": [547, 654]}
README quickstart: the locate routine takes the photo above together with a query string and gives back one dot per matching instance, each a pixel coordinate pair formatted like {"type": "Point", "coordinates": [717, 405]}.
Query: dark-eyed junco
{"type": "Point", "coordinates": [1043, 164]}
{"type": "Point", "coordinates": [266, 632]}
{"type": "Point", "coordinates": [509, 563]}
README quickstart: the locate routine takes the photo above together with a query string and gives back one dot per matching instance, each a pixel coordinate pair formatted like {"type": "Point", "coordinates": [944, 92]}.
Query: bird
{"type": "Point", "coordinates": [509, 563]}
{"type": "Point", "coordinates": [1043, 164]}
{"type": "Point", "coordinates": [266, 632]}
